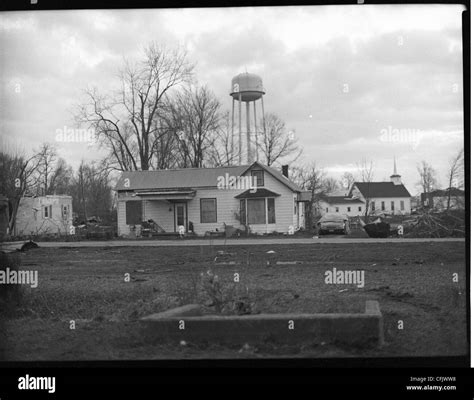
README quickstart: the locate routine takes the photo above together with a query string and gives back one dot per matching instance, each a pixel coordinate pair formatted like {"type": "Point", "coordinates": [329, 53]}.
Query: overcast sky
{"type": "Point", "coordinates": [340, 77]}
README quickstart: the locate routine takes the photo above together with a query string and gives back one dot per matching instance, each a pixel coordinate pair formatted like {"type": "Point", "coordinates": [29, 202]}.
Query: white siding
{"type": "Point", "coordinates": [31, 219]}
{"type": "Point", "coordinates": [122, 228]}
{"type": "Point", "coordinates": [325, 207]}
{"type": "Point", "coordinates": [159, 211]}
{"type": "Point", "coordinates": [227, 210]}
{"type": "Point", "coordinates": [301, 215]}
{"type": "Point", "coordinates": [388, 209]}
{"type": "Point", "coordinates": [284, 207]}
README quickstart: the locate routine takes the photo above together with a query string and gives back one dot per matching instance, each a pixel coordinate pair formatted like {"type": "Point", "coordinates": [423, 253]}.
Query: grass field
{"type": "Point", "coordinates": [413, 283]}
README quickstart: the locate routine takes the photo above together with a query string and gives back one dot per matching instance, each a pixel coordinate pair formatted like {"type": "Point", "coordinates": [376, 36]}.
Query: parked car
{"type": "Point", "coordinates": [333, 223]}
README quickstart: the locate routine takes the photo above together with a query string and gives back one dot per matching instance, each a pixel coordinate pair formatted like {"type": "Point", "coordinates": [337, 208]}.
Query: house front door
{"type": "Point", "coordinates": [180, 216]}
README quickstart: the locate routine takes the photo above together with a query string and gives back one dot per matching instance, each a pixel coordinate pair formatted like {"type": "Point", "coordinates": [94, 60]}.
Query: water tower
{"type": "Point", "coordinates": [247, 88]}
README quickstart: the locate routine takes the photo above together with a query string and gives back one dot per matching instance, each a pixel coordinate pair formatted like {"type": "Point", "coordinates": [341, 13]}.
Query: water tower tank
{"type": "Point", "coordinates": [249, 86]}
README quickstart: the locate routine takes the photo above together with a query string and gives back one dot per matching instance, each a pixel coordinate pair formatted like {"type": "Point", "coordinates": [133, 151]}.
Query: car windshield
{"type": "Point", "coordinates": [332, 218]}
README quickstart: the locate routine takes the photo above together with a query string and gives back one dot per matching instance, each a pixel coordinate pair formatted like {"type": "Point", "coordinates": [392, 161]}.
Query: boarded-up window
{"type": "Point", "coordinates": [243, 212]}
{"type": "Point", "coordinates": [208, 210]}
{"type": "Point", "coordinates": [271, 210]}
{"type": "Point", "coordinates": [133, 210]}
{"type": "Point", "coordinates": [256, 211]}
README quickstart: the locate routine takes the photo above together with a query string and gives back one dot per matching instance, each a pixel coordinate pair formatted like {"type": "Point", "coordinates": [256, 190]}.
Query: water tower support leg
{"type": "Point", "coordinates": [232, 135]}
{"type": "Point", "coordinates": [240, 129]}
{"type": "Point", "coordinates": [256, 131]}
{"type": "Point", "coordinates": [263, 120]}
{"type": "Point", "coordinates": [247, 112]}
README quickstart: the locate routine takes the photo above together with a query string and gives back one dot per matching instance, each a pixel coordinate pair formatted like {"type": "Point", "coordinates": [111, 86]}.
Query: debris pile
{"type": "Point", "coordinates": [438, 225]}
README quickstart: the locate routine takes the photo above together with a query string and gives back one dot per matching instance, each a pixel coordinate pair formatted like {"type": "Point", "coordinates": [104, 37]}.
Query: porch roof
{"type": "Point", "coordinates": [184, 194]}
{"type": "Point", "coordinates": [249, 194]}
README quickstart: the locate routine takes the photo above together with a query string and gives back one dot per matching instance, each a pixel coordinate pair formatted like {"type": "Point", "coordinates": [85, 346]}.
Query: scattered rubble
{"type": "Point", "coordinates": [437, 225]}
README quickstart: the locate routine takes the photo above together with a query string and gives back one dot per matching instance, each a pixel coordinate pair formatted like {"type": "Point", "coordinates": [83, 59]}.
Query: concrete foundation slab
{"type": "Point", "coordinates": [189, 323]}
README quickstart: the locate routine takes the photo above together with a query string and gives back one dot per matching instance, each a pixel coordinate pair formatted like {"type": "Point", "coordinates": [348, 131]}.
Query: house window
{"type": "Point", "coordinates": [133, 212]}
{"type": "Point", "coordinates": [402, 205]}
{"type": "Point", "coordinates": [271, 210]}
{"type": "Point", "coordinates": [256, 211]}
{"type": "Point", "coordinates": [360, 209]}
{"type": "Point", "coordinates": [48, 212]}
{"type": "Point", "coordinates": [65, 212]}
{"type": "Point", "coordinates": [392, 205]}
{"type": "Point", "coordinates": [259, 175]}
{"type": "Point", "coordinates": [383, 206]}
{"type": "Point", "coordinates": [208, 210]}
{"type": "Point", "coordinates": [372, 205]}
{"type": "Point", "coordinates": [348, 209]}
{"type": "Point", "coordinates": [243, 212]}
{"type": "Point", "coordinates": [295, 207]}
{"type": "Point", "coordinates": [327, 209]}
{"type": "Point", "coordinates": [337, 209]}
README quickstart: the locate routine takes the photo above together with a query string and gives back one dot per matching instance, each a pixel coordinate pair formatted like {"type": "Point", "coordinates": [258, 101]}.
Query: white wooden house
{"type": "Point", "coordinates": [44, 215]}
{"type": "Point", "coordinates": [207, 199]}
{"type": "Point", "coordinates": [380, 197]}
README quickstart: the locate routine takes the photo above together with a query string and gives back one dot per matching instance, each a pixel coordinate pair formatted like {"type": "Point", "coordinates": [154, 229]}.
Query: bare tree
{"type": "Point", "coordinates": [196, 114]}
{"type": "Point", "coordinates": [346, 181]}
{"type": "Point", "coordinates": [17, 177]}
{"type": "Point", "coordinates": [330, 185]}
{"type": "Point", "coordinates": [277, 143]}
{"type": "Point", "coordinates": [222, 152]}
{"type": "Point", "coordinates": [455, 175]}
{"type": "Point", "coordinates": [428, 181]}
{"type": "Point", "coordinates": [311, 178]}
{"type": "Point", "coordinates": [366, 175]}
{"type": "Point", "coordinates": [61, 178]}
{"type": "Point", "coordinates": [46, 157]}
{"type": "Point", "coordinates": [125, 123]}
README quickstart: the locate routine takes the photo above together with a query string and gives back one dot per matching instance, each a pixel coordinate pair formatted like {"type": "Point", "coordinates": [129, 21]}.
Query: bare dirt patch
{"type": "Point", "coordinates": [413, 283]}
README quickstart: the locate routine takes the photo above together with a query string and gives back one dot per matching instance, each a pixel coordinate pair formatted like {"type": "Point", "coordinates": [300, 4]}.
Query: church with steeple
{"type": "Point", "coordinates": [384, 197]}
{"type": "Point", "coordinates": [375, 198]}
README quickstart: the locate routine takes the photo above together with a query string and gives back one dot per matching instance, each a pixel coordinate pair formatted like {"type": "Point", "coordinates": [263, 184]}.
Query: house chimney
{"type": "Point", "coordinates": [284, 170]}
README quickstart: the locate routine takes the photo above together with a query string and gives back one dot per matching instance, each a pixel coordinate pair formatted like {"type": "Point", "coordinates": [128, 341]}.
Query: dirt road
{"type": "Point", "coordinates": [8, 246]}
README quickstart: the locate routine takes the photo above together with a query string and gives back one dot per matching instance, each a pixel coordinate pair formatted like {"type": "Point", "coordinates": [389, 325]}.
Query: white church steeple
{"type": "Point", "coordinates": [395, 178]}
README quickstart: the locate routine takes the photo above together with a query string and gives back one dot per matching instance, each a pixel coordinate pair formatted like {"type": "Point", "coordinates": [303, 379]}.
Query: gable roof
{"type": "Point", "coordinates": [277, 175]}
{"type": "Point", "coordinates": [260, 192]}
{"type": "Point", "coordinates": [380, 189]}
{"type": "Point", "coordinates": [341, 200]}
{"type": "Point", "coordinates": [175, 178]}
{"type": "Point", "coordinates": [190, 177]}
{"type": "Point", "coordinates": [442, 193]}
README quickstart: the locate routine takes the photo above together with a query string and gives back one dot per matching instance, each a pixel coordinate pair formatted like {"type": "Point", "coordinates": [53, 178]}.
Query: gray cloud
{"type": "Point", "coordinates": [406, 76]}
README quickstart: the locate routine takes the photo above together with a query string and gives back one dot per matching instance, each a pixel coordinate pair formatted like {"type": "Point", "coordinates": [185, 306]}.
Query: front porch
{"type": "Point", "coordinates": [159, 213]}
